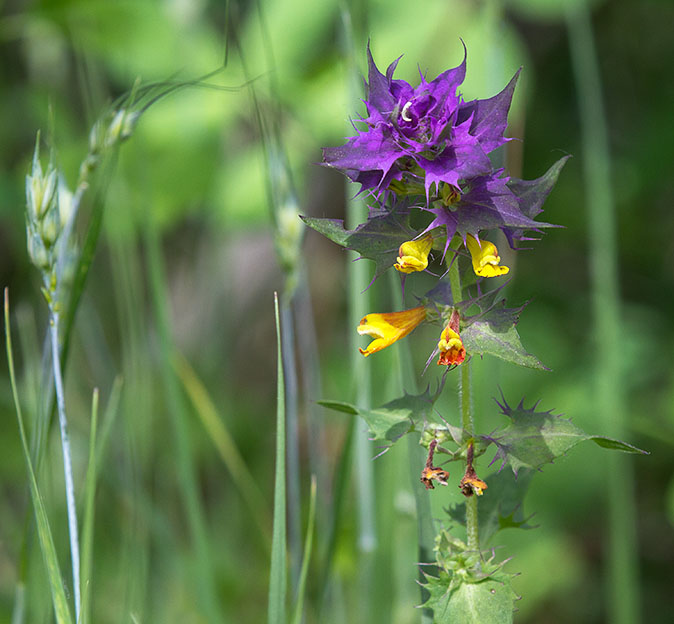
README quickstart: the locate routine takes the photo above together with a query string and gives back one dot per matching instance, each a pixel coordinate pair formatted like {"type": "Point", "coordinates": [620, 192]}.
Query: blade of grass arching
{"type": "Point", "coordinates": [224, 443]}
{"type": "Point", "coordinates": [177, 410]}
{"type": "Point", "coordinates": [422, 503]}
{"type": "Point", "coordinates": [306, 558]}
{"type": "Point", "coordinates": [622, 590]}
{"type": "Point", "coordinates": [277, 573]}
{"type": "Point", "coordinates": [61, 607]}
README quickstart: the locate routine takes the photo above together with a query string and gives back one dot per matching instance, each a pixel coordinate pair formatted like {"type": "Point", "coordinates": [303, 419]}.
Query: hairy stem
{"type": "Point", "coordinates": [67, 459]}
{"type": "Point", "coordinates": [465, 397]}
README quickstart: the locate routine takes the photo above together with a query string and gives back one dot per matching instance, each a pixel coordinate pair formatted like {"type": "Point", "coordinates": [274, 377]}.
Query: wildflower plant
{"type": "Point", "coordinates": [422, 157]}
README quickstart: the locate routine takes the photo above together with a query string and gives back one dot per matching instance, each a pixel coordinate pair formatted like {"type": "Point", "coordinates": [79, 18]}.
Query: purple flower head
{"type": "Point", "coordinates": [418, 137]}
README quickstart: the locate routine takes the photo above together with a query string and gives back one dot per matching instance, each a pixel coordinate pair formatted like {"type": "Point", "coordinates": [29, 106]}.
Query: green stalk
{"type": "Point", "coordinates": [89, 510]}
{"type": "Point", "coordinates": [306, 558]}
{"type": "Point", "coordinates": [359, 303]}
{"type": "Point", "coordinates": [622, 587]}
{"type": "Point", "coordinates": [44, 533]}
{"type": "Point", "coordinates": [278, 575]}
{"type": "Point", "coordinates": [465, 401]}
{"type": "Point", "coordinates": [417, 458]}
{"type": "Point", "coordinates": [67, 458]}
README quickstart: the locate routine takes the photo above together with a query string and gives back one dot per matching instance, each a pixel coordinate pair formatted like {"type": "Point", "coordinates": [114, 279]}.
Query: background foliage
{"type": "Point", "coordinates": [194, 175]}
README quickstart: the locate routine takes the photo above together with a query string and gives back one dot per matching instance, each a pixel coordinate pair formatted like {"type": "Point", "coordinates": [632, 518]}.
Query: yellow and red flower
{"type": "Point", "coordinates": [452, 351]}
{"type": "Point", "coordinates": [387, 327]}
{"type": "Point", "coordinates": [486, 261]}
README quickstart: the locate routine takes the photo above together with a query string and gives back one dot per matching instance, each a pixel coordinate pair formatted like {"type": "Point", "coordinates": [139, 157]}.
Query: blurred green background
{"type": "Point", "coordinates": [194, 175]}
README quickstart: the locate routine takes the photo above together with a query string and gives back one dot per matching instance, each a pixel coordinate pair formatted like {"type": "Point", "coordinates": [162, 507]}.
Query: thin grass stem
{"type": "Point", "coordinates": [278, 574]}
{"type": "Point", "coordinates": [622, 586]}
{"type": "Point", "coordinates": [306, 558]}
{"type": "Point", "coordinates": [67, 461]}
{"type": "Point", "coordinates": [60, 603]}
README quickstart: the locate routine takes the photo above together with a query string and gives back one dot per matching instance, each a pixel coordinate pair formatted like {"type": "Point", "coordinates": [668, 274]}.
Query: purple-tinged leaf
{"type": "Point", "coordinates": [531, 194]}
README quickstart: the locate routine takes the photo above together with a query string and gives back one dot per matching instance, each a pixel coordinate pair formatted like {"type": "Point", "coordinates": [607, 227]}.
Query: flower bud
{"type": "Point", "coordinates": [121, 127]}
{"type": "Point", "coordinates": [65, 202]}
{"type": "Point", "coordinates": [37, 252]}
{"type": "Point", "coordinates": [50, 226]}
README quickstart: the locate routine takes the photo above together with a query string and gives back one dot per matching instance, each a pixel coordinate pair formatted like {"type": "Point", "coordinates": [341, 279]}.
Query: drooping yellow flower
{"type": "Point", "coordinates": [451, 346]}
{"type": "Point", "coordinates": [413, 255]}
{"type": "Point", "coordinates": [387, 327]}
{"type": "Point", "coordinates": [485, 258]}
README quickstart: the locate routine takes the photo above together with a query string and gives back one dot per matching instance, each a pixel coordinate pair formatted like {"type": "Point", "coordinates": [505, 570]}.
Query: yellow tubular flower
{"type": "Point", "coordinates": [387, 327]}
{"type": "Point", "coordinates": [485, 258]}
{"type": "Point", "coordinates": [452, 351]}
{"type": "Point", "coordinates": [413, 255]}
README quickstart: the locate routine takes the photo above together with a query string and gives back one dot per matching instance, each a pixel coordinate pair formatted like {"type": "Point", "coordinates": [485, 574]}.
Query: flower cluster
{"type": "Point", "coordinates": [425, 151]}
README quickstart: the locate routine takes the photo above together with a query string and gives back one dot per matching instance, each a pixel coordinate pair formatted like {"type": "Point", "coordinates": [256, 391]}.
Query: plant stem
{"type": "Point", "coordinates": [622, 587]}
{"type": "Point", "coordinates": [359, 302]}
{"type": "Point", "coordinates": [466, 403]}
{"type": "Point", "coordinates": [465, 398]}
{"type": "Point", "coordinates": [67, 459]}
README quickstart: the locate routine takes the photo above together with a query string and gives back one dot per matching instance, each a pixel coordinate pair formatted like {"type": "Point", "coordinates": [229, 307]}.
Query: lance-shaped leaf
{"type": "Point", "coordinates": [390, 422]}
{"type": "Point", "coordinates": [494, 333]}
{"type": "Point", "coordinates": [378, 239]}
{"type": "Point", "coordinates": [533, 439]}
{"type": "Point", "coordinates": [501, 507]}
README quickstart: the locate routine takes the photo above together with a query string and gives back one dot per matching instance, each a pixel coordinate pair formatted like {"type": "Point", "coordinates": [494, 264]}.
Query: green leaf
{"type": "Point", "coordinates": [487, 602]}
{"type": "Point", "coordinates": [492, 330]}
{"type": "Point", "coordinates": [488, 338]}
{"type": "Point", "coordinates": [340, 406]}
{"type": "Point", "coordinates": [533, 439]}
{"type": "Point", "coordinates": [501, 506]}
{"type": "Point", "coordinates": [390, 422]}
{"type": "Point", "coordinates": [378, 239]}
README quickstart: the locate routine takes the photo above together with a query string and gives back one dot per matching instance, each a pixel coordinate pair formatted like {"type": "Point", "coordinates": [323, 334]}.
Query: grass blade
{"type": "Point", "coordinates": [622, 598]}
{"type": "Point", "coordinates": [308, 544]}
{"type": "Point", "coordinates": [278, 573]}
{"type": "Point", "coordinates": [61, 607]}
{"type": "Point", "coordinates": [224, 443]}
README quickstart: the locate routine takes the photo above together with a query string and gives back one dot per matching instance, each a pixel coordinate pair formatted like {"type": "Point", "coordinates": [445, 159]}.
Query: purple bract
{"type": "Point", "coordinates": [422, 136]}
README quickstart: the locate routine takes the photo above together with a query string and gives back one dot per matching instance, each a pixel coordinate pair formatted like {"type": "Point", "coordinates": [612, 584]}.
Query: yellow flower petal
{"type": "Point", "coordinates": [485, 258]}
{"type": "Point", "coordinates": [387, 327]}
{"type": "Point", "coordinates": [413, 255]}
{"type": "Point", "coordinates": [451, 347]}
